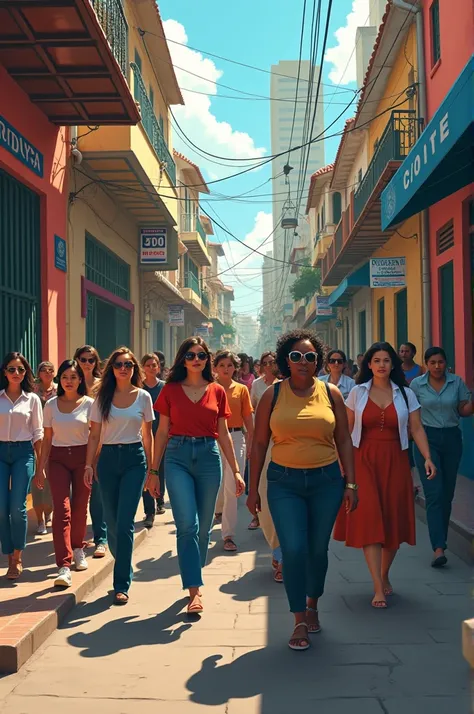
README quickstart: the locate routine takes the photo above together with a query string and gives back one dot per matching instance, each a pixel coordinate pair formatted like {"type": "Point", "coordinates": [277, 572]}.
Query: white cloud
{"type": "Point", "coordinates": [343, 55]}
{"type": "Point", "coordinates": [196, 117]}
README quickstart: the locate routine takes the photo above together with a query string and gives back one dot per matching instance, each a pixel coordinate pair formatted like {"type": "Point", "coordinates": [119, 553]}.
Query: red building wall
{"type": "Point", "coordinates": [50, 140]}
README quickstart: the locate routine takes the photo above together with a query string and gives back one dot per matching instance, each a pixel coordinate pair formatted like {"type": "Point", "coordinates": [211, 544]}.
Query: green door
{"type": "Point", "coordinates": [107, 326]}
{"type": "Point", "coordinates": [446, 284]}
{"type": "Point", "coordinates": [20, 271]}
{"type": "Point", "coordinates": [401, 307]}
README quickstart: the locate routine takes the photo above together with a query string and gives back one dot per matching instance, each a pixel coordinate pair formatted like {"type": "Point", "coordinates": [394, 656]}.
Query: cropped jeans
{"type": "Point", "coordinates": [17, 467]}
{"type": "Point", "coordinates": [122, 472]}
{"type": "Point", "coordinates": [193, 477]}
{"type": "Point", "coordinates": [304, 504]}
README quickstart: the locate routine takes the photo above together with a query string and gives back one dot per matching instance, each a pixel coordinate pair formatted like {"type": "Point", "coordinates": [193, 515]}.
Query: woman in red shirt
{"type": "Point", "coordinates": [193, 412]}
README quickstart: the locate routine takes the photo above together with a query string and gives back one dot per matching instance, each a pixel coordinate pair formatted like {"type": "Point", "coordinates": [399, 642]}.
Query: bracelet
{"type": "Point", "coordinates": [88, 466]}
{"type": "Point", "coordinates": [352, 486]}
{"type": "Point", "coordinates": [154, 472]}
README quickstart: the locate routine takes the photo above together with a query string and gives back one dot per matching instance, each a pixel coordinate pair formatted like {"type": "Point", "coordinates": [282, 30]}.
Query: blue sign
{"type": "Point", "coordinates": [16, 144]}
{"type": "Point", "coordinates": [154, 245]}
{"type": "Point", "coordinates": [60, 254]}
{"type": "Point", "coordinates": [439, 163]}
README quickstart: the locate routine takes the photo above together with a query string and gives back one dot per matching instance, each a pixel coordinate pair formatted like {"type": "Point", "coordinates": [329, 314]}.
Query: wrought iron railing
{"type": "Point", "coordinates": [190, 222]}
{"type": "Point", "coordinates": [317, 237]}
{"type": "Point", "coordinates": [338, 238]}
{"type": "Point", "coordinates": [192, 282]}
{"type": "Point", "coordinates": [112, 19]}
{"type": "Point", "coordinates": [399, 136]}
{"type": "Point", "coordinates": [152, 127]}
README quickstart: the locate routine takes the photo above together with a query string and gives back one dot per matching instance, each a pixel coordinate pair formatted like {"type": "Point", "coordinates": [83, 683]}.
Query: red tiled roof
{"type": "Point", "coordinates": [195, 167]}
{"type": "Point", "coordinates": [378, 39]}
{"type": "Point", "coordinates": [169, 61]}
{"type": "Point", "coordinates": [317, 174]}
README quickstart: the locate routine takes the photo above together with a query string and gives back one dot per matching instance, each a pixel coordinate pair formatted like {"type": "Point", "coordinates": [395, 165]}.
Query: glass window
{"type": "Point", "coordinates": [435, 34]}
{"type": "Point", "coordinates": [446, 294]}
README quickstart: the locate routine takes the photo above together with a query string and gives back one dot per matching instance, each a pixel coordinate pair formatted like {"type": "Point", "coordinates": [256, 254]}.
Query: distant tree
{"type": "Point", "coordinates": [307, 284]}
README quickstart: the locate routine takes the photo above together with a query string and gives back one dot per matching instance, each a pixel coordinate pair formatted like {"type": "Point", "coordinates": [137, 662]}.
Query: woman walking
{"type": "Point", "coordinates": [66, 432]}
{"type": "Point", "coordinates": [444, 399]}
{"type": "Point", "coordinates": [245, 374]}
{"type": "Point", "coordinates": [121, 419]}
{"type": "Point", "coordinates": [381, 409]}
{"type": "Point", "coordinates": [306, 420]}
{"type": "Point", "coordinates": [89, 360]}
{"type": "Point", "coordinates": [336, 363]}
{"type": "Point", "coordinates": [153, 385]}
{"type": "Point", "coordinates": [240, 426]}
{"type": "Point", "coordinates": [46, 389]}
{"type": "Point", "coordinates": [21, 435]}
{"type": "Point", "coordinates": [193, 412]}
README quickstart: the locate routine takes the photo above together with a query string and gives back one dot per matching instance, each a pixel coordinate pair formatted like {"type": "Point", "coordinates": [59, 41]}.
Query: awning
{"type": "Point", "coordinates": [342, 295]}
{"type": "Point", "coordinates": [442, 160]}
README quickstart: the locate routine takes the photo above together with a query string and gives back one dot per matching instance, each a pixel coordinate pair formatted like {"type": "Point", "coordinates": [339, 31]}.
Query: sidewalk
{"type": "Point", "coordinates": [148, 657]}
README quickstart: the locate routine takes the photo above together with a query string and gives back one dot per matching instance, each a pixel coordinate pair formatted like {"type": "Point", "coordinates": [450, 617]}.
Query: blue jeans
{"type": "Point", "coordinates": [148, 501]}
{"type": "Point", "coordinates": [304, 504]}
{"type": "Point", "coordinates": [17, 467]}
{"type": "Point", "coordinates": [122, 472]}
{"type": "Point", "coordinates": [193, 477]}
{"type": "Point", "coordinates": [99, 527]}
{"type": "Point", "coordinates": [446, 451]}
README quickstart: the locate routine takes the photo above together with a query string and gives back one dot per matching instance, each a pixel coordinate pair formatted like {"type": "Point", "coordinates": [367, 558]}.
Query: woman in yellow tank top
{"type": "Point", "coordinates": [307, 422]}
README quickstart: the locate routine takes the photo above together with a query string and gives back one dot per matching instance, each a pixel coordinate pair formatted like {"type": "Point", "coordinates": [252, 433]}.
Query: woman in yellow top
{"type": "Point", "coordinates": [307, 421]}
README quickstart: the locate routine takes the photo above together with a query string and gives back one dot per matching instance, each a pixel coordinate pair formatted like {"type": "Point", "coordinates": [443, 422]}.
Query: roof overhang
{"type": "Point", "coordinates": [193, 172]}
{"type": "Point", "coordinates": [207, 225]}
{"type": "Point", "coordinates": [342, 295]}
{"type": "Point", "coordinates": [350, 145]}
{"type": "Point", "coordinates": [318, 181]}
{"type": "Point", "coordinates": [217, 247]}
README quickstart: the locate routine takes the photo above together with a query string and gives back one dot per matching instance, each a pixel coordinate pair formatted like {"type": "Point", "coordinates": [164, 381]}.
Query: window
{"type": "Point", "coordinates": [136, 82]}
{"type": "Point", "coordinates": [401, 316]}
{"type": "Point", "coordinates": [381, 319]}
{"type": "Point", "coordinates": [362, 331]}
{"type": "Point", "coordinates": [435, 35]}
{"type": "Point", "coordinates": [445, 237]}
{"type": "Point", "coordinates": [446, 294]}
{"type": "Point", "coordinates": [336, 207]}
{"type": "Point", "coordinates": [106, 269]}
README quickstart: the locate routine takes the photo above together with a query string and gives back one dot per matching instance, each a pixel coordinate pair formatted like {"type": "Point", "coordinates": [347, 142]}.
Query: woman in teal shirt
{"type": "Point", "coordinates": [444, 399]}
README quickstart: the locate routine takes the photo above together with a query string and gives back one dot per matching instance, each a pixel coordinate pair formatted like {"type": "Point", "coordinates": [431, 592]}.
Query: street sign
{"type": "Point", "coordinates": [176, 315]}
{"type": "Point", "coordinates": [20, 147]}
{"type": "Point", "coordinates": [154, 245]}
{"type": "Point", "coordinates": [323, 308]}
{"type": "Point", "coordinates": [60, 254]}
{"type": "Point", "coordinates": [388, 272]}
{"type": "Point", "coordinates": [201, 331]}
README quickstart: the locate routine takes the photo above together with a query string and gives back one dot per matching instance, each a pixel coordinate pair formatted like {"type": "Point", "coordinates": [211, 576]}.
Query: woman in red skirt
{"type": "Point", "coordinates": [382, 410]}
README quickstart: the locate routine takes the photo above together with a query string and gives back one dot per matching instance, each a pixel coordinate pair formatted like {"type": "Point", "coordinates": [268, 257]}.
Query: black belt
{"type": "Point", "coordinates": [235, 428]}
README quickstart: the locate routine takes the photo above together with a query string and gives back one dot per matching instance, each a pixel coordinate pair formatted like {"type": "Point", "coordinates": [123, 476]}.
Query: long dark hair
{"type": "Point", "coordinates": [28, 380]}
{"type": "Point", "coordinates": [397, 375]}
{"type": "Point", "coordinates": [108, 383]}
{"type": "Point", "coordinates": [96, 372]}
{"type": "Point", "coordinates": [178, 371]}
{"type": "Point", "coordinates": [71, 364]}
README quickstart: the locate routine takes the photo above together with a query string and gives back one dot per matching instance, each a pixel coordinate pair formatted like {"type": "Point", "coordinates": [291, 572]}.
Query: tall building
{"type": "Point", "coordinates": [246, 328]}
{"type": "Point", "coordinates": [284, 90]}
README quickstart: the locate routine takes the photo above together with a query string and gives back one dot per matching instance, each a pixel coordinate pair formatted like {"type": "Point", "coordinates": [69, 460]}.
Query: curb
{"type": "Point", "coordinates": [461, 540]}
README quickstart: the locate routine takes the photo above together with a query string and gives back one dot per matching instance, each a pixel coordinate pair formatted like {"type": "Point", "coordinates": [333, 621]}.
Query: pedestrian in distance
{"type": "Point", "coordinates": [21, 435]}
{"type": "Point", "coordinates": [245, 373]}
{"type": "Point", "coordinates": [193, 412]}
{"type": "Point", "coordinates": [444, 399]}
{"type": "Point", "coordinates": [307, 421]}
{"type": "Point", "coordinates": [381, 409]}
{"type": "Point", "coordinates": [66, 432]}
{"type": "Point", "coordinates": [257, 368]}
{"type": "Point", "coordinates": [121, 419]}
{"type": "Point", "coordinates": [153, 385]}
{"type": "Point", "coordinates": [46, 389]}
{"type": "Point", "coordinates": [407, 352]}
{"type": "Point", "coordinates": [336, 362]}
{"type": "Point", "coordinates": [91, 365]}
{"type": "Point", "coordinates": [240, 426]}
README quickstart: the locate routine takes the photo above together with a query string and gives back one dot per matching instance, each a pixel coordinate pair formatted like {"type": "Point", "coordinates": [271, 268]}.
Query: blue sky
{"type": "Point", "coordinates": [260, 33]}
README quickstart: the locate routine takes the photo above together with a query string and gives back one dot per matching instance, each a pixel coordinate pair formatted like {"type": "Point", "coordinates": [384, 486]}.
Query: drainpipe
{"type": "Point", "coordinates": [425, 226]}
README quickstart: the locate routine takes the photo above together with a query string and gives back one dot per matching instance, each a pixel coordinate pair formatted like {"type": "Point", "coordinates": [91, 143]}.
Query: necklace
{"type": "Point", "coordinates": [194, 393]}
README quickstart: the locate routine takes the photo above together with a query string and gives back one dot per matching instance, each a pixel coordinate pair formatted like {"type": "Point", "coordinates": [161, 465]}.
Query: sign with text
{"type": "Point", "coordinates": [16, 144]}
{"type": "Point", "coordinates": [154, 245]}
{"type": "Point", "coordinates": [323, 308]}
{"type": "Point", "coordinates": [60, 254]}
{"type": "Point", "coordinates": [388, 272]}
{"type": "Point", "coordinates": [201, 331]}
{"type": "Point", "coordinates": [176, 315]}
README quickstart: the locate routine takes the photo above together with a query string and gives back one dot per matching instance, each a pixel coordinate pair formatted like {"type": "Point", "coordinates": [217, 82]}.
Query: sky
{"type": "Point", "coordinates": [236, 124]}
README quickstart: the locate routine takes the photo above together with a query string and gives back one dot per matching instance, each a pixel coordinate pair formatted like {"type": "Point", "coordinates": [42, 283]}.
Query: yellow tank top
{"type": "Point", "coordinates": [303, 428]}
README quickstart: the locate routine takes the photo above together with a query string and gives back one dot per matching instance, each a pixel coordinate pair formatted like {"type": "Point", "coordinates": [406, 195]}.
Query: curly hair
{"type": "Point", "coordinates": [397, 375]}
{"type": "Point", "coordinates": [288, 340]}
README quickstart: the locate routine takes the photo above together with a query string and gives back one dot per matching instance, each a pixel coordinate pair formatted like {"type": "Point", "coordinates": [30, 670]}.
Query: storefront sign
{"type": "Point", "coordinates": [323, 308]}
{"type": "Point", "coordinates": [153, 245]}
{"type": "Point", "coordinates": [16, 144]}
{"type": "Point", "coordinates": [176, 315]}
{"type": "Point", "coordinates": [60, 254]}
{"type": "Point", "coordinates": [388, 272]}
{"type": "Point", "coordinates": [201, 331]}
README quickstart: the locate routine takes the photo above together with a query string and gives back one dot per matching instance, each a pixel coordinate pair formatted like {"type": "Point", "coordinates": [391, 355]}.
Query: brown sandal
{"type": "Point", "coordinates": [300, 643]}
{"type": "Point", "coordinates": [15, 568]}
{"type": "Point", "coordinates": [120, 599]}
{"type": "Point", "coordinates": [229, 545]}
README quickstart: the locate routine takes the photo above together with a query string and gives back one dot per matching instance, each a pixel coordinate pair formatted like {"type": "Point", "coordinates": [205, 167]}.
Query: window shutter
{"type": "Point", "coordinates": [445, 237]}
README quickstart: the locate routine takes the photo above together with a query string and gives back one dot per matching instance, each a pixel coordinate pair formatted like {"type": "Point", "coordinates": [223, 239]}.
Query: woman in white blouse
{"type": "Point", "coordinates": [121, 420]}
{"type": "Point", "coordinates": [336, 362]}
{"type": "Point", "coordinates": [66, 431]}
{"type": "Point", "coordinates": [21, 434]}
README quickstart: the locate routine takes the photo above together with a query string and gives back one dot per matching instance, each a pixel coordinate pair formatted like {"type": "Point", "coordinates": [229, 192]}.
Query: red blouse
{"type": "Point", "coordinates": [190, 419]}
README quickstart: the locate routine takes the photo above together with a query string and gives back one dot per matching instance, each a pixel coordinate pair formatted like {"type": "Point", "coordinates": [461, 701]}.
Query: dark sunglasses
{"type": "Point", "coordinates": [309, 357]}
{"type": "Point", "coordinates": [14, 370]}
{"type": "Point", "coordinates": [127, 365]}
{"type": "Point", "coordinates": [85, 360]}
{"type": "Point", "coordinates": [191, 356]}
{"type": "Point", "coordinates": [267, 364]}
{"type": "Point", "coordinates": [335, 360]}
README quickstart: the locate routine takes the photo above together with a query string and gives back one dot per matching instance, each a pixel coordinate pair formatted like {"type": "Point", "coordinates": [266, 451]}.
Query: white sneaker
{"type": "Point", "coordinates": [64, 579]}
{"type": "Point", "coordinates": [41, 530]}
{"type": "Point", "coordinates": [80, 559]}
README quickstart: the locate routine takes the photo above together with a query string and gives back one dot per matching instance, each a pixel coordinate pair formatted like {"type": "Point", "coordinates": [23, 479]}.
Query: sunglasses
{"type": "Point", "coordinates": [85, 360]}
{"type": "Point", "coordinates": [309, 357]}
{"type": "Point", "coordinates": [267, 364]}
{"type": "Point", "coordinates": [48, 370]}
{"type": "Point", "coordinates": [127, 365]}
{"type": "Point", "coordinates": [335, 360]}
{"type": "Point", "coordinates": [14, 370]}
{"type": "Point", "coordinates": [191, 356]}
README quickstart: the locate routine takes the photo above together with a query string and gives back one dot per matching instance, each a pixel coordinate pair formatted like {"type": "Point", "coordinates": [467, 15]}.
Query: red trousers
{"type": "Point", "coordinates": [70, 500]}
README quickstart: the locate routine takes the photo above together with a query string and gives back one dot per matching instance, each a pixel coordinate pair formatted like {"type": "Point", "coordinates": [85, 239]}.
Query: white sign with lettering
{"type": "Point", "coordinates": [388, 272]}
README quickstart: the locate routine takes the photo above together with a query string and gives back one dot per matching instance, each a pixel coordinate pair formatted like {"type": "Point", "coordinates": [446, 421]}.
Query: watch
{"type": "Point", "coordinates": [352, 486]}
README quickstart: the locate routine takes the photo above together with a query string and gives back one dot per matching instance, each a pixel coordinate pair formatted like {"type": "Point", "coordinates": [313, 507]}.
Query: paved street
{"type": "Point", "coordinates": [148, 657]}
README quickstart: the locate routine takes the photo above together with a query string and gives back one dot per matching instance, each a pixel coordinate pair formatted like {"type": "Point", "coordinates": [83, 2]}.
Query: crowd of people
{"type": "Point", "coordinates": [323, 446]}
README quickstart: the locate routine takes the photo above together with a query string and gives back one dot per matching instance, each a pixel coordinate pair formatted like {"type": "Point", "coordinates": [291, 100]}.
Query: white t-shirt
{"type": "Point", "coordinates": [68, 429]}
{"type": "Point", "coordinates": [124, 426]}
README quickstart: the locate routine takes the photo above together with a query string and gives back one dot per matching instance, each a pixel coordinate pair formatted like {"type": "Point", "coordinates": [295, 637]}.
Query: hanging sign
{"type": "Point", "coordinates": [176, 315]}
{"type": "Point", "coordinates": [388, 272]}
{"type": "Point", "coordinates": [153, 245]}
{"type": "Point", "coordinates": [60, 254]}
{"type": "Point", "coordinates": [16, 144]}
{"type": "Point", "coordinates": [201, 331]}
{"type": "Point", "coordinates": [323, 308]}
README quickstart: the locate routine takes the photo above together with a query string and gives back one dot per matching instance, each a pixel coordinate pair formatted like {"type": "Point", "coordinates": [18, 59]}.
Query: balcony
{"type": "Point", "coordinates": [193, 235]}
{"type": "Point", "coordinates": [205, 304]}
{"type": "Point", "coordinates": [359, 233]}
{"type": "Point", "coordinates": [71, 58]}
{"type": "Point", "coordinates": [191, 292]}
{"type": "Point", "coordinates": [299, 309]}
{"type": "Point", "coordinates": [310, 310]}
